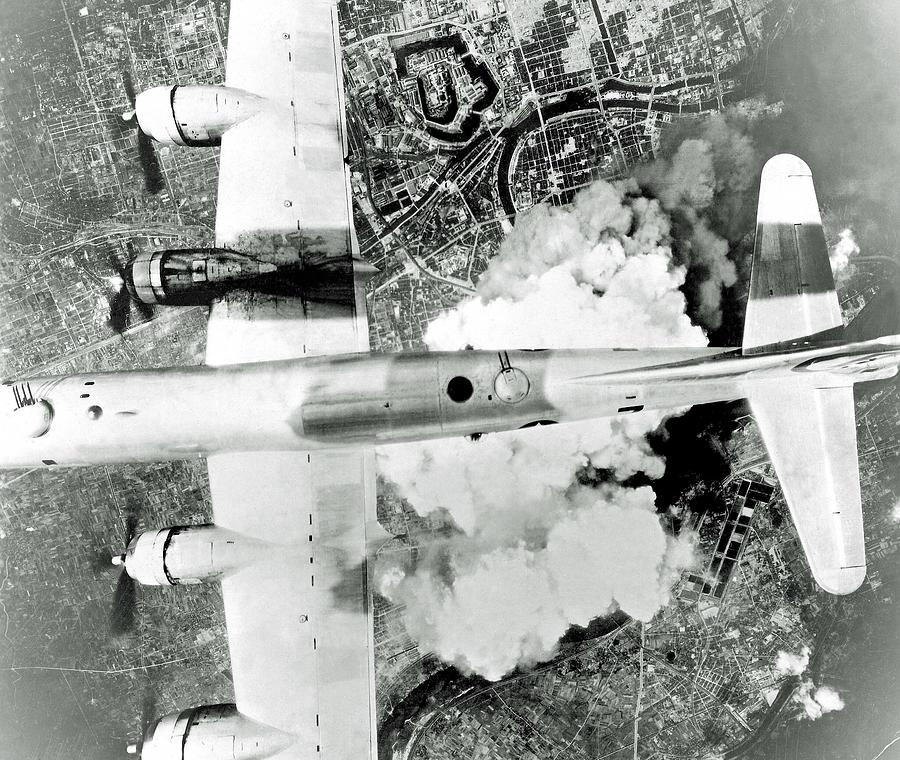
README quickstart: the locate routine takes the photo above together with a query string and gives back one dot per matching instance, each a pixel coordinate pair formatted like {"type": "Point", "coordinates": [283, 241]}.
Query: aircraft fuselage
{"type": "Point", "coordinates": [365, 399]}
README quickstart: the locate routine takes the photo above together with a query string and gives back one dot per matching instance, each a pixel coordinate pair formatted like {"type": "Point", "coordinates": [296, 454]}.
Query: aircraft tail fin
{"type": "Point", "coordinates": [792, 297]}
{"type": "Point", "coordinates": [810, 434]}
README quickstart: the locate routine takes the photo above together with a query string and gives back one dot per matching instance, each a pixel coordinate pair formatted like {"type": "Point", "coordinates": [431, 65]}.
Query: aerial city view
{"type": "Point", "coordinates": [522, 174]}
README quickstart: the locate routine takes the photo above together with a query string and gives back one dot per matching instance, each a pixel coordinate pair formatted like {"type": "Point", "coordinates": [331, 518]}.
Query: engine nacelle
{"type": "Point", "coordinates": [194, 115]}
{"type": "Point", "coordinates": [188, 554]}
{"type": "Point", "coordinates": [211, 732]}
{"type": "Point", "coordinates": [197, 276]}
{"type": "Point", "coordinates": [194, 276]}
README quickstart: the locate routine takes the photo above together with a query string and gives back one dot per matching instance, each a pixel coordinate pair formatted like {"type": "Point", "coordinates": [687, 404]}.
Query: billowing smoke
{"type": "Point", "coordinates": [488, 606]}
{"type": "Point", "coordinates": [599, 272]}
{"type": "Point", "coordinates": [509, 483]}
{"type": "Point", "coordinates": [842, 251]}
{"type": "Point", "coordinates": [789, 664]}
{"type": "Point", "coordinates": [548, 534]}
{"type": "Point", "coordinates": [895, 513]}
{"type": "Point", "coordinates": [707, 185]}
{"type": "Point", "coordinates": [816, 701]}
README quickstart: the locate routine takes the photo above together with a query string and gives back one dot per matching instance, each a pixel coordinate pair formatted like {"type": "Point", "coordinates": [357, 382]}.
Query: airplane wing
{"type": "Point", "coordinates": [809, 431]}
{"type": "Point", "coordinates": [792, 296]}
{"type": "Point", "coordinates": [299, 624]}
{"type": "Point", "coordinates": [810, 434]}
{"type": "Point", "coordinates": [283, 184]}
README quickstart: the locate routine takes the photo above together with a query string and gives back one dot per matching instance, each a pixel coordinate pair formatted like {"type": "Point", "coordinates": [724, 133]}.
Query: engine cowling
{"type": "Point", "coordinates": [193, 115]}
{"type": "Point", "coordinates": [211, 732]}
{"type": "Point", "coordinates": [197, 276]}
{"type": "Point", "coordinates": [188, 554]}
{"type": "Point", "coordinates": [193, 276]}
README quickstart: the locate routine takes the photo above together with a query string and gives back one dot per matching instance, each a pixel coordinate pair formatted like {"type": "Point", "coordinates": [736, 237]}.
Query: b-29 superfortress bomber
{"type": "Point", "coordinates": [289, 404]}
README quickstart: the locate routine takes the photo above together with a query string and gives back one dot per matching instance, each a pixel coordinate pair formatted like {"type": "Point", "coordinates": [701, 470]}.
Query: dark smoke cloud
{"type": "Point", "coordinates": [706, 175]}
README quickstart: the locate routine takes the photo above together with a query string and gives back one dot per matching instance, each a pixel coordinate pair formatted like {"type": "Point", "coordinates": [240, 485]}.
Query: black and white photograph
{"type": "Point", "coordinates": [449, 379]}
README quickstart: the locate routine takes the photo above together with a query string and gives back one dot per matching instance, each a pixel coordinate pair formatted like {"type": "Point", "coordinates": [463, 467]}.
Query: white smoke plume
{"type": "Point", "coordinates": [502, 484]}
{"type": "Point", "coordinates": [540, 548]}
{"type": "Point", "coordinates": [789, 664]}
{"type": "Point", "coordinates": [895, 513]}
{"type": "Point", "coordinates": [508, 606]}
{"type": "Point", "coordinates": [817, 701]}
{"type": "Point", "coordinates": [599, 272]}
{"type": "Point", "coordinates": [842, 251]}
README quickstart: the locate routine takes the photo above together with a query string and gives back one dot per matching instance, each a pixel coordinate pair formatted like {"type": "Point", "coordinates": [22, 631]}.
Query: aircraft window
{"type": "Point", "coordinates": [94, 412]}
{"type": "Point", "coordinates": [460, 389]}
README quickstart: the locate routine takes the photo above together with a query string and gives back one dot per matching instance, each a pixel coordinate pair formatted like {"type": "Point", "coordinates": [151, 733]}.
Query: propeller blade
{"type": "Point", "coordinates": [148, 708]}
{"type": "Point", "coordinates": [148, 715]}
{"type": "Point", "coordinates": [99, 561]}
{"type": "Point", "coordinates": [131, 523]}
{"type": "Point", "coordinates": [118, 310]}
{"type": "Point", "coordinates": [128, 85]}
{"type": "Point", "coordinates": [124, 605]}
{"type": "Point", "coordinates": [153, 177]}
{"type": "Point", "coordinates": [149, 161]}
{"type": "Point", "coordinates": [145, 310]}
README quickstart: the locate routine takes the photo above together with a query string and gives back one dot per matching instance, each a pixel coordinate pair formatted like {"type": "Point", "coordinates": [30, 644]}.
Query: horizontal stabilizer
{"type": "Point", "coordinates": [810, 435]}
{"type": "Point", "coordinates": [792, 298]}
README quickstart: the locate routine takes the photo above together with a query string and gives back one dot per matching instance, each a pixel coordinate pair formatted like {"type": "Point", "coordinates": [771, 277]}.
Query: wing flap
{"type": "Point", "coordinates": [792, 296]}
{"type": "Point", "coordinates": [810, 435]}
{"type": "Point", "coordinates": [299, 623]}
